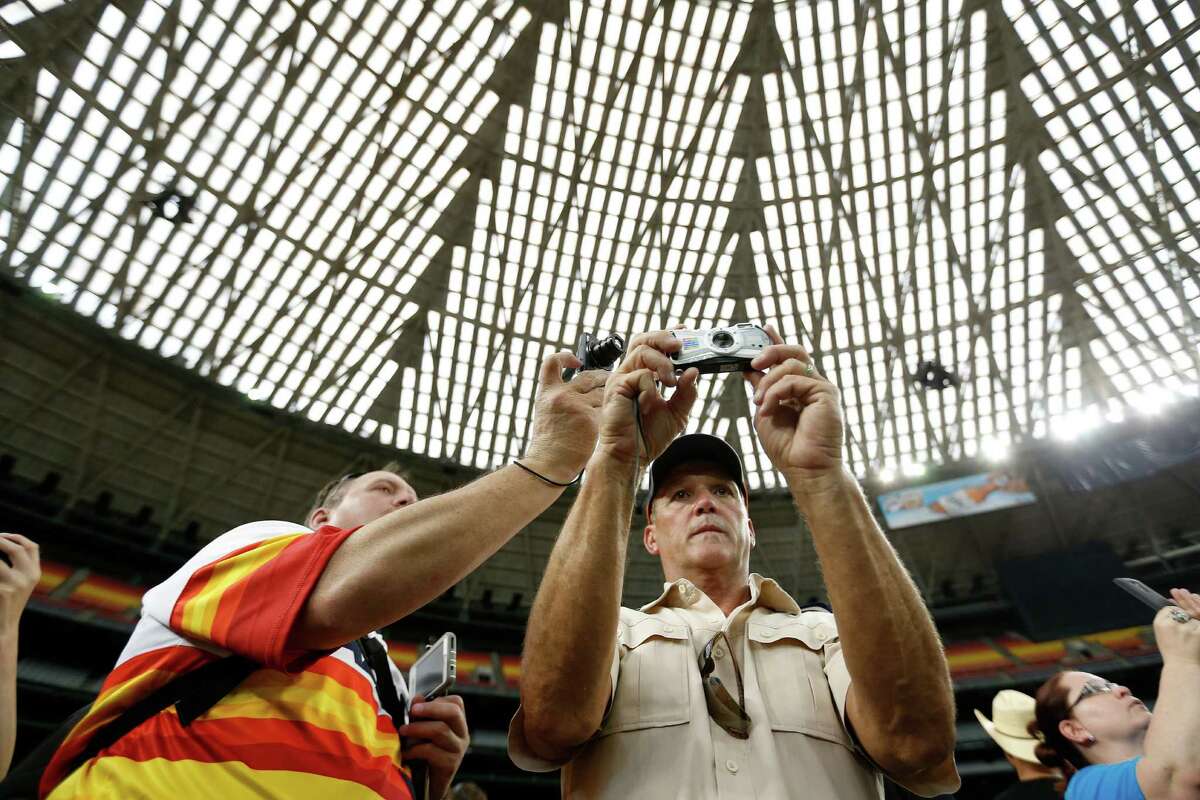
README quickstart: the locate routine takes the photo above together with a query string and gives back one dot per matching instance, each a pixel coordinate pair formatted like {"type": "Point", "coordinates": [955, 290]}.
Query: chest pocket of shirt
{"type": "Point", "coordinates": [791, 677]}
{"type": "Point", "coordinates": [653, 684]}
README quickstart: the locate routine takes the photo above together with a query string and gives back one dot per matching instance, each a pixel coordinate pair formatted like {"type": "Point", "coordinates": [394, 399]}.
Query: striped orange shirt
{"type": "Point", "coordinates": [307, 724]}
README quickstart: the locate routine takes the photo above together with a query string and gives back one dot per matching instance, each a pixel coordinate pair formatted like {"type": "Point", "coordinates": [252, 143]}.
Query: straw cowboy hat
{"type": "Point", "coordinates": [1011, 714]}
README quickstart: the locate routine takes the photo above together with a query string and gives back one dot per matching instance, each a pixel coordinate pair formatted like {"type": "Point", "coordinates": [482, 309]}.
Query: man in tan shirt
{"type": "Point", "coordinates": [723, 687]}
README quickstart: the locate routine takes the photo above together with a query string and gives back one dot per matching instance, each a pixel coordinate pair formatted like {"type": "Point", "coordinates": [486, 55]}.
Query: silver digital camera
{"type": "Point", "coordinates": [729, 349]}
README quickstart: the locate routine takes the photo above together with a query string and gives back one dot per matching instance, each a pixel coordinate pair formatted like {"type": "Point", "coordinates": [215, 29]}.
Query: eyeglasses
{"type": "Point", "coordinates": [1092, 688]}
{"type": "Point", "coordinates": [730, 714]}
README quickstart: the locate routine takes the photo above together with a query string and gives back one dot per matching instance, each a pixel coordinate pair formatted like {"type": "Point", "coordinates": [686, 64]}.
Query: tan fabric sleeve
{"type": "Point", "coordinates": [519, 751]}
{"type": "Point", "coordinates": [613, 673]}
{"type": "Point", "coordinates": [839, 679]}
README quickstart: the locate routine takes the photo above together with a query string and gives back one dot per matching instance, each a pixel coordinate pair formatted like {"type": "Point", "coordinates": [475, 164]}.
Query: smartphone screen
{"type": "Point", "coordinates": [432, 674]}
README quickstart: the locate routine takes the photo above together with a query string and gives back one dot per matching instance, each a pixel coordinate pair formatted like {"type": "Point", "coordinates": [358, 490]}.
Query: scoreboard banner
{"type": "Point", "coordinates": [961, 497]}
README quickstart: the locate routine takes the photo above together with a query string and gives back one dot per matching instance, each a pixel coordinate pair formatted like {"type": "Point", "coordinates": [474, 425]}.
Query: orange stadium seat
{"type": "Point", "coordinates": [1031, 653]}
{"type": "Point", "coordinates": [972, 658]}
{"type": "Point", "coordinates": [53, 575]}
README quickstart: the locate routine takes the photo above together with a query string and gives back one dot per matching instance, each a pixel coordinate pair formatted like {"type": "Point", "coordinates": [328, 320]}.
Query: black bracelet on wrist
{"type": "Point", "coordinates": [542, 477]}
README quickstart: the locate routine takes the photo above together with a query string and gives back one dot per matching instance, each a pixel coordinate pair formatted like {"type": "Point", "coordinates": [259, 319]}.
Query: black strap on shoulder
{"type": "Point", "coordinates": [389, 698]}
{"type": "Point", "coordinates": [199, 696]}
{"type": "Point", "coordinates": [192, 694]}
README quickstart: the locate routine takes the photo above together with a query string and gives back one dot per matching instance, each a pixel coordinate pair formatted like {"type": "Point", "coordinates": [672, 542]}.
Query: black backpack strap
{"type": "Point", "coordinates": [389, 698]}
{"type": "Point", "coordinates": [192, 694]}
{"type": "Point", "coordinates": [200, 695]}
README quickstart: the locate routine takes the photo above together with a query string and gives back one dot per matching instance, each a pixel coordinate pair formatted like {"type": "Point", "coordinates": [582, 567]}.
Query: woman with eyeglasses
{"type": "Point", "coordinates": [1107, 742]}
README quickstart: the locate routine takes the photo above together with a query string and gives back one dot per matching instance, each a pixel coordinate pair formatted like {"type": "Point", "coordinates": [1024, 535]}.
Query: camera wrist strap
{"type": "Point", "coordinates": [637, 417]}
{"type": "Point", "coordinates": [542, 477]}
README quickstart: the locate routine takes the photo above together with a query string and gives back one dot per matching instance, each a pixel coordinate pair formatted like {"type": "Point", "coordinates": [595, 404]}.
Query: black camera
{"type": "Point", "coordinates": [596, 353]}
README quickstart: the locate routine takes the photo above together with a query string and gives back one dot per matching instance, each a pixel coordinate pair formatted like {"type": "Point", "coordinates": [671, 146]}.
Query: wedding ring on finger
{"type": "Point", "coordinates": [809, 369]}
{"type": "Point", "coordinates": [1180, 615]}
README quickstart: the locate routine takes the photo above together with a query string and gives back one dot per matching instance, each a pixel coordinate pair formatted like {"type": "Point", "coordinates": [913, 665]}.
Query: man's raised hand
{"type": "Point", "coordinates": [799, 416]}
{"type": "Point", "coordinates": [662, 419]}
{"type": "Point", "coordinates": [565, 418]}
{"type": "Point", "coordinates": [17, 579]}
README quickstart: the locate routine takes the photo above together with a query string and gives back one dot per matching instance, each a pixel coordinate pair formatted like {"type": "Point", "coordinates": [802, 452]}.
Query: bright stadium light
{"type": "Point", "coordinates": [1070, 426]}
{"type": "Point", "coordinates": [1152, 403]}
{"type": "Point", "coordinates": [994, 450]}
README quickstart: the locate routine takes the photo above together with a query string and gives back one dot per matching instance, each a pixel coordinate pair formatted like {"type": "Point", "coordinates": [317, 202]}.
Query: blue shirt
{"type": "Point", "coordinates": [1106, 782]}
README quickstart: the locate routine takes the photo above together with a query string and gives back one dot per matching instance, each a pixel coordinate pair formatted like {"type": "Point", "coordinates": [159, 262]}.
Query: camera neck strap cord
{"type": "Point", "coordinates": [641, 449]}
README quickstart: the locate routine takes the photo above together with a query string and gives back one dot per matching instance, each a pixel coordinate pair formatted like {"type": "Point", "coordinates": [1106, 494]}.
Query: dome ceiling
{"type": "Point", "coordinates": [382, 215]}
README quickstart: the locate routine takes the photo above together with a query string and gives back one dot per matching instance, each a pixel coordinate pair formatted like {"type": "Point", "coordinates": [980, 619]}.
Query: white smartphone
{"type": "Point", "coordinates": [432, 675]}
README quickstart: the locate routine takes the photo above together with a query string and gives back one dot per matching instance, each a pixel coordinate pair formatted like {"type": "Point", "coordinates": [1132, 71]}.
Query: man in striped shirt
{"type": "Point", "coordinates": [309, 721]}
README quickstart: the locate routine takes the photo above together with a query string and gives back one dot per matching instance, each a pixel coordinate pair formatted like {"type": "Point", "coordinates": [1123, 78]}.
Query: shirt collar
{"type": "Point", "coordinates": [763, 592]}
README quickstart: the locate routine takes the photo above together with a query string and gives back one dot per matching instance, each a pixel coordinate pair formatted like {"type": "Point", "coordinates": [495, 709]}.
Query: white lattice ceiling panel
{"type": "Point", "coordinates": [382, 215]}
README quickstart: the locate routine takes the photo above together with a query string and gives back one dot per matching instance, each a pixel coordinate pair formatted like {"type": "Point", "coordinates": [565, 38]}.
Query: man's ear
{"type": "Point", "coordinates": [750, 529]}
{"type": "Point", "coordinates": [318, 518]}
{"type": "Point", "coordinates": [648, 540]}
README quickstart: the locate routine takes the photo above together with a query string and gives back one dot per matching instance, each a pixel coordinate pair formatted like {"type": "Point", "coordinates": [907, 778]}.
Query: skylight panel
{"type": "Point", "coordinates": [365, 185]}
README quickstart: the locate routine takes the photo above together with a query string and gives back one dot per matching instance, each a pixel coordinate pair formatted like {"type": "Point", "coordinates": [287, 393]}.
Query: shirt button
{"type": "Point", "coordinates": [731, 765]}
{"type": "Point", "coordinates": [718, 652]}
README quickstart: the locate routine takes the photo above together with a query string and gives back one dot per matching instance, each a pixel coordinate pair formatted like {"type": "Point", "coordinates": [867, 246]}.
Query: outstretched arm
{"type": "Point", "coordinates": [1171, 767]}
{"type": "Point", "coordinates": [900, 705]}
{"type": "Point", "coordinates": [17, 579]}
{"type": "Point", "coordinates": [400, 562]}
{"type": "Point", "coordinates": [573, 624]}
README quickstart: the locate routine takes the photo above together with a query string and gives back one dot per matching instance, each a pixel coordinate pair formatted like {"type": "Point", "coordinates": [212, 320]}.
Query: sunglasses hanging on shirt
{"type": "Point", "coordinates": [730, 714]}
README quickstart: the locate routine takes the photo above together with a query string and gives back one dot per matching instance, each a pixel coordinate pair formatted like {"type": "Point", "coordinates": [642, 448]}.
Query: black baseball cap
{"type": "Point", "coordinates": [696, 447]}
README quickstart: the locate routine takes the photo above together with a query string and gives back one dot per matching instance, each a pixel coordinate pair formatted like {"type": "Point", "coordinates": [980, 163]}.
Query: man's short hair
{"type": "Point", "coordinates": [331, 494]}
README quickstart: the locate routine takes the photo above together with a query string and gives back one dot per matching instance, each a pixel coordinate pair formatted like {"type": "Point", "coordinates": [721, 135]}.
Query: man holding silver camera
{"type": "Point", "coordinates": [723, 686]}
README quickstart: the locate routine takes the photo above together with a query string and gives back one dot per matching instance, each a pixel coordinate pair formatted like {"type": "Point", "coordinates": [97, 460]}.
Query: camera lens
{"type": "Point", "coordinates": [605, 352]}
{"type": "Point", "coordinates": [722, 339]}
